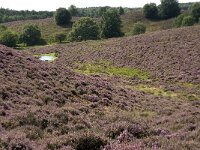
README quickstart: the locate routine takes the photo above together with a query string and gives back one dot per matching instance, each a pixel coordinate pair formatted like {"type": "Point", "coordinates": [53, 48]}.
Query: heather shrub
{"type": "Point", "coordinates": [115, 130]}
{"type": "Point", "coordinates": [138, 28]}
{"type": "Point", "coordinates": [89, 142]}
{"type": "Point", "coordinates": [187, 21]}
{"type": "Point", "coordinates": [138, 131]}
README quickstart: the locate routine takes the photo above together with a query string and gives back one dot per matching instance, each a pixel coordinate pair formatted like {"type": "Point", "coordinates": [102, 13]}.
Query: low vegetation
{"type": "Point", "coordinates": [138, 28]}
{"type": "Point", "coordinates": [107, 69]}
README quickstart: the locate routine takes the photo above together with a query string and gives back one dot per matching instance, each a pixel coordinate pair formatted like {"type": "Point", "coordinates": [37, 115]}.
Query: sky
{"type": "Point", "coordinates": [52, 5]}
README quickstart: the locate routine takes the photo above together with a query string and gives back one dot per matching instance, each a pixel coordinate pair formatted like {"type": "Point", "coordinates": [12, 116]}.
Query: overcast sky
{"type": "Point", "coordinates": [54, 4]}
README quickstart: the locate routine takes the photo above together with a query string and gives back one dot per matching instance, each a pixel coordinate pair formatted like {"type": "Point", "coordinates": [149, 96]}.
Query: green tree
{"type": "Point", "coordinates": [62, 16]}
{"type": "Point", "coordinates": [195, 11]}
{"type": "Point", "coordinates": [168, 9]}
{"type": "Point", "coordinates": [111, 24]}
{"type": "Point", "coordinates": [150, 11]}
{"type": "Point", "coordinates": [102, 10]}
{"type": "Point", "coordinates": [31, 35]}
{"type": "Point", "coordinates": [188, 21]}
{"type": "Point", "coordinates": [60, 37]}
{"type": "Point", "coordinates": [84, 29]}
{"type": "Point", "coordinates": [138, 28]}
{"type": "Point", "coordinates": [121, 10]}
{"type": "Point", "coordinates": [8, 38]}
{"type": "Point", "coordinates": [73, 10]}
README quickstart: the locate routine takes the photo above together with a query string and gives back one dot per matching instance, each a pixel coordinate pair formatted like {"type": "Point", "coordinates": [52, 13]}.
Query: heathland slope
{"type": "Point", "coordinates": [137, 92]}
{"type": "Point", "coordinates": [172, 54]}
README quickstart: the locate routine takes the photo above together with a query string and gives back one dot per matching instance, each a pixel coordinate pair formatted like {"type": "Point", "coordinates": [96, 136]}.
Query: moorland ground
{"type": "Point", "coordinates": [138, 92]}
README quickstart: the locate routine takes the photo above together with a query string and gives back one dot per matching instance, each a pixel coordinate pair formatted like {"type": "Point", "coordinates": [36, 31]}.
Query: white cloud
{"type": "Point", "coordinates": [54, 4]}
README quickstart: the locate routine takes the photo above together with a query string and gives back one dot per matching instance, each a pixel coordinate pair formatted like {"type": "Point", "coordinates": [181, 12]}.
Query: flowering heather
{"type": "Point", "coordinates": [59, 105]}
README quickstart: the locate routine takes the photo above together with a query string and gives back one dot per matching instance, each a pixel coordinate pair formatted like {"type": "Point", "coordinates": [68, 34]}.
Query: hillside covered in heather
{"type": "Point", "coordinates": [140, 92]}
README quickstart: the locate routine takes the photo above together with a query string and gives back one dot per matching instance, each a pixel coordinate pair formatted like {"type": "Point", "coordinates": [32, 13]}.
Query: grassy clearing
{"type": "Point", "coordinates": [108, 69]}
{"type": "Point", "coordinates": [115, 113]}
{"type": "Point", "coordinates": [156, 91]}
{"type": "Point", "coordinates": [159, 91]}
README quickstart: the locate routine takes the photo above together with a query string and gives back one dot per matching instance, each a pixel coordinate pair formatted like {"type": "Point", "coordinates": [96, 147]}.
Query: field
{"type": "Point", "coordinates": [131, 93]}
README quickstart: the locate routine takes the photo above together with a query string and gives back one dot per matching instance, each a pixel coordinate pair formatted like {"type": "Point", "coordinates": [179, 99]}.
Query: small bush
{"type": "Point", "coordinates": [188, 21]}
{"type": "Point", "coordinates": [60, 37]}
{"type": "Point", "coordinates": [89, 142]}
{"type": "Point", "coordinates": [179, 19]}
{"type": "Point", "coordinates": [8, 38]}
{"type": "Point", "coordinates": [138, 28]}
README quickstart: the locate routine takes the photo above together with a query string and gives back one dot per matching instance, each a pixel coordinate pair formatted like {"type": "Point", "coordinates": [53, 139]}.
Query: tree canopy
{"type": "Point", "coordinates": [168, 9]}
{"type": "Point", "coordinates": [62, 16]}
{"type": "Point", "coordinates": [111, 24]}
{"type": "Point", "coordinates": [150, 11]}
{"type": "Point", "coordinates": [84, 29]}
{"type": "Point", "coordinates": [31, 35]}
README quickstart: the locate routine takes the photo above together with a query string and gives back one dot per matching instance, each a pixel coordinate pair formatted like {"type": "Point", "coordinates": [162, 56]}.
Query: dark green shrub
{"type": "Point", "coordinates": [138, 28]}
{"type": "Point", "coordinates": [60, 37]}
{"type": "Point", "coordinates": [89, 142]}
{"type": "Point", "coordinates": [150, 11]}
{"type": "Point", "coordinates": [179, 19]}
{"type": "Point", "coordinates": [31, 35]}
{"type": "Point", "coordinates": [84, 29]}
{"type": "Point", "coordinates": [195, 11]}
{"type": "Point", "coordinates": [8, 38]}
{"type": "Point", "coordinates": [168, 9]}
{"type": "Point", "coordinates": [62, 16]}
{"type": "Point", "coordinates": [188, 21]}
{"type": "Point", "coordinates": [111, 24]}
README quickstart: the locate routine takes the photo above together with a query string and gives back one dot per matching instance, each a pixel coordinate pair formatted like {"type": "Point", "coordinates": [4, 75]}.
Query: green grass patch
{"type": "Point", "coordinates": [156, 91]}
{"type": "Point", "coordinates": [159, 91]}
{"type": "Point", "coordinates": [107, 68]}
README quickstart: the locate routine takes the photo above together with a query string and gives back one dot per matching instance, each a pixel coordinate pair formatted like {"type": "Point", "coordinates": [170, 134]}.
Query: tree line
{"type": "Point", "coordinates": [7, 15]}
